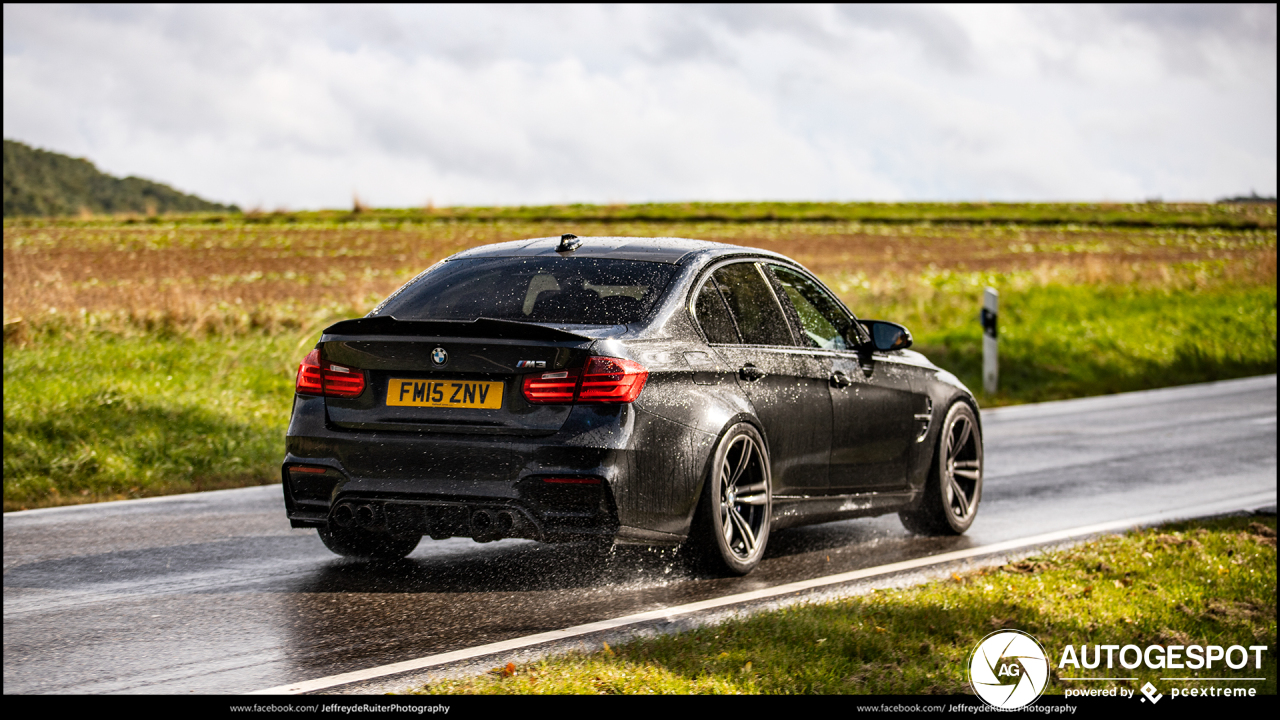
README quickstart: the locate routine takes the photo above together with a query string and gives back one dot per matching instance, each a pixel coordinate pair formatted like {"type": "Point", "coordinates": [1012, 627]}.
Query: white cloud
{"type": "Point", "coordinates": [300, 106]}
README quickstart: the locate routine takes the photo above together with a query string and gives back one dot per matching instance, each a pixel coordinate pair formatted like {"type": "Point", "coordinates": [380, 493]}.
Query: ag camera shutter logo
{"type": "Point", "coordinates": [1008, 669]}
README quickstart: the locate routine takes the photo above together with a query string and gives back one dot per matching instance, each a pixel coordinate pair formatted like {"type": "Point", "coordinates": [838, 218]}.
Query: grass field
{"type": "Point", "coordinates": [1145, 214]}
{"type": "Point", "coordinates": [1198, 583]}
{"type": "Point", "coordinates": [155, 355]}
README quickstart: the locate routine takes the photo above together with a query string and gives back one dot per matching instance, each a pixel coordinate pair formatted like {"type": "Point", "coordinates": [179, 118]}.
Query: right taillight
{"type": "Point", "coordinates": [603, 380]}
{"type": "Point", "coordinates": [609, 379]}
{"type": "Point", "coordinates": [327, 379]}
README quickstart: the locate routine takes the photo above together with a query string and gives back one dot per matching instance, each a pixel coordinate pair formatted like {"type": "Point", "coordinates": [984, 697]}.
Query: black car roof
{"type": "Point", "coordinates": [665, 250]}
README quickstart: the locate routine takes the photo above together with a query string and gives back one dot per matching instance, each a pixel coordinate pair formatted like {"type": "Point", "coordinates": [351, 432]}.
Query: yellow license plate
{"type": "Point", "coordinates": [445, 393]}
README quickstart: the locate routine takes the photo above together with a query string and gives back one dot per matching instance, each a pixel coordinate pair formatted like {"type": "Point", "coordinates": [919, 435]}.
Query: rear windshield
{"type": "Point", "coordinates": [585, 291]}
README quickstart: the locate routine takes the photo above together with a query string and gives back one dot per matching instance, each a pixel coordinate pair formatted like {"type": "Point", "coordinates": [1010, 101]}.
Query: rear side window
{"type": "Point", "coordinates": [713, 315]}
{"type": "Point", "coordinates": [585, 291]}
{"type": "Point", "coordinates": [752, 304]}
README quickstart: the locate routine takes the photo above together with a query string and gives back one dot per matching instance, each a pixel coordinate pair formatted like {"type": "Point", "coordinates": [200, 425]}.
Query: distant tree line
{"type": "Point", "coordinates": [1252, 197]}
{"type": "Point", "coordinates": [42, 183]}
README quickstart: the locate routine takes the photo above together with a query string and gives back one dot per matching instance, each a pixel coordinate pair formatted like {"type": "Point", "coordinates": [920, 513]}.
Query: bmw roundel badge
{"type": "Point", "coordinates": [439, 356]}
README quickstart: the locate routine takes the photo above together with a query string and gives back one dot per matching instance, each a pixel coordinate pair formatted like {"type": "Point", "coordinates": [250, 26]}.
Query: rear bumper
{"type": "Point", "coordinates": [452, 506]}
{"type": "Point", "coordinates": [487, 486]}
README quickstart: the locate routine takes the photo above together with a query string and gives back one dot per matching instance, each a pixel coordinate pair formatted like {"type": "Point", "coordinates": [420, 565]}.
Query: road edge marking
{"type": "Point", "coordinates": [421, 663]}
{"type": "Point", "coordinates": [108, 505]}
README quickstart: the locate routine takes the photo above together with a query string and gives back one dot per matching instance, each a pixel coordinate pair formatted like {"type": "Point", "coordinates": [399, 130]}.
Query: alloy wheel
{"type": "Point", "coordinates": [962, 473]}
{"type": "Point", "coordinates": [744, 497]}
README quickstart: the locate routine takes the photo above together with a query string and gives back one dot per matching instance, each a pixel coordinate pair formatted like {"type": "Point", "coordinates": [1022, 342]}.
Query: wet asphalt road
{"type": "Point", "coordinates": [214, 593]}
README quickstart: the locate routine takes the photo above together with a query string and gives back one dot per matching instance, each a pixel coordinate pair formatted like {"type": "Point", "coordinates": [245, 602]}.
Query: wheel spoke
{"type": "Point", "coordinates": [744, 461]}
{"type": "Point", "coordinates": [753, 494]}
{"type": "Point", "coordinates": [748, 537]}
{"type": "Point", "coordinates": [956, 447]}
{"type": "Point", "coordinates": [967, 474]}
{"type": "Point", "coordinates": [960, 499]}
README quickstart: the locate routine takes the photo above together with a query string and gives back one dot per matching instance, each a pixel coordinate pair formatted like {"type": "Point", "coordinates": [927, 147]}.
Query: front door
{"type": "Point", "coordinates": [874, 422]}
{"type": "Point", "coordinates": [872, 404]}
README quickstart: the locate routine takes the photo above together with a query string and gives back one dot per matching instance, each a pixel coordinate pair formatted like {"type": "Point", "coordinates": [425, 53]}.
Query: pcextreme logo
{"type": "Point", "coordinates": [1008, 669]}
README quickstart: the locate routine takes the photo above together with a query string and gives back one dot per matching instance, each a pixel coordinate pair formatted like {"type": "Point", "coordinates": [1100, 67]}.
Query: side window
{"type": "Point", "coordinates": [824, 322]}
{"type": "Point", "coordinates": [753, 306]}
{"type": "Point", "coordinates": [713, 315]}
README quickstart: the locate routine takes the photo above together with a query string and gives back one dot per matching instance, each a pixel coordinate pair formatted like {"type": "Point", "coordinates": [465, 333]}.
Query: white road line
{"type": "Point", "coordinates": [1202, 510]}
{"type": "Point", "coordinates": [204, 497]}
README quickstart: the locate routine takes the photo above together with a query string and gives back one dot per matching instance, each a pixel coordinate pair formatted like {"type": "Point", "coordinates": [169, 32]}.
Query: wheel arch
{"type": "Point", "coordinates": [705, 472]}
{"type": "Point", "coordinates": [929, 513]}
{"type": "Point", "coordinates": [944, 391]}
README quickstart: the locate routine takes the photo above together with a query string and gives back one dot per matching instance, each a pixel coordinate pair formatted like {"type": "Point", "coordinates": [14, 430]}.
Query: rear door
{"type": "Point", "coordinates": [786, 385]}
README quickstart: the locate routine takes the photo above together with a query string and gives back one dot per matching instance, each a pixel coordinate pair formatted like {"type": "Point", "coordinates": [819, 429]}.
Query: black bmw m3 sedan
{"type": "Point", "coordinates": [622, 390]}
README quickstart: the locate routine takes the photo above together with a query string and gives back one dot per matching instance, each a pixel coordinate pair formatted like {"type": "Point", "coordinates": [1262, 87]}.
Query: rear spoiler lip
{"type": "Point", "coordinates": [481, 328]}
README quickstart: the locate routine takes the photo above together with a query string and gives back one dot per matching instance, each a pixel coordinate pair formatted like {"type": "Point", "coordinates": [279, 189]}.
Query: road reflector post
{"type": "Point", "coordinates": [990, 335]}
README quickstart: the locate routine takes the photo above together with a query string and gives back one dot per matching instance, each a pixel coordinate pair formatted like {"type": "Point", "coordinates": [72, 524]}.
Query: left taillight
{"type": "Point", "coordinates": [553, 387]}
{"type": "Point", "coordinates": [328, 379]}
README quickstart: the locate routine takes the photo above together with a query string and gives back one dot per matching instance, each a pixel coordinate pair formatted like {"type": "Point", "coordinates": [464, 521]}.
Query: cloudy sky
{"type": "Point", "coordinates": [299, 107]}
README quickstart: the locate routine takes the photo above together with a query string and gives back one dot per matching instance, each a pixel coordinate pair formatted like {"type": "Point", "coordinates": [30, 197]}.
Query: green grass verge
{"type": "Point", "coordinates": [92, 416]}
{"type": "Point", "coordinates": [1196, 583]}
{"type": "Point", "coordinates": [97, 416]}
{"type": "Point", "coordinates": [1063, 341]}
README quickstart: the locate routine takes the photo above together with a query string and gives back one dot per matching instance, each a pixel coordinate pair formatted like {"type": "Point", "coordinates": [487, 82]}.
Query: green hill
{"type": "Point", "coordinates": [42, 183]}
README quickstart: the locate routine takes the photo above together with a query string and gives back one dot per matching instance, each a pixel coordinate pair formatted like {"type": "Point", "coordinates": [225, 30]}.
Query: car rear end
{"type": "Point", "coordinates": [476, 403]}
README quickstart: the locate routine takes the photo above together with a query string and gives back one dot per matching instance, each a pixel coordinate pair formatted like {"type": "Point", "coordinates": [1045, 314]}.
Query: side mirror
{"type": "Point", "coordinates": [887, 336]}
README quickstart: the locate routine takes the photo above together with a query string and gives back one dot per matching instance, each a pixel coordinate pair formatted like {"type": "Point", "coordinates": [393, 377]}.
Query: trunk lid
{"type": "Point", "coordinates": [445, 376]}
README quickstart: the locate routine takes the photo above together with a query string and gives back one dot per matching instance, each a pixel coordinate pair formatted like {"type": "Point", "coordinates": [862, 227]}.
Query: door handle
{"type": "Point", "coordinates": [751, 373]}
{"type": "Point", "coordinates": [839, 379]}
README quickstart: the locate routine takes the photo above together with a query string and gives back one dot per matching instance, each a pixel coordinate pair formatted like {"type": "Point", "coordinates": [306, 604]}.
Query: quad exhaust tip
{"type": "Point", "coordinates": [485, 525]}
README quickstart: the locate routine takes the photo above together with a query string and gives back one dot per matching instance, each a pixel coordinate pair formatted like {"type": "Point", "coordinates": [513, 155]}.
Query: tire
{"type": "Point", "coordinates": [954, 486]}
{"type": "Point", "coordinates": [731, 526]}
{"type": "Point", "coordinates": [357, 543]}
